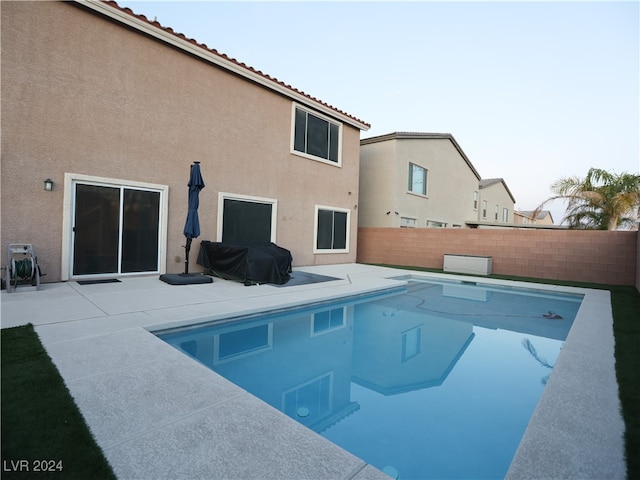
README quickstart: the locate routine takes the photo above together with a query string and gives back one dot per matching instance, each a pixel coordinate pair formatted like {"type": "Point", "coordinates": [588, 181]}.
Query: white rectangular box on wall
{"type": "Point", "coordinates": [473, 264]}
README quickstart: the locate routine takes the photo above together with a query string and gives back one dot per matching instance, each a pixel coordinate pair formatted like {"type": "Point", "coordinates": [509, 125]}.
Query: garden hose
{"type": "Point", "coordinates": [21, 269]}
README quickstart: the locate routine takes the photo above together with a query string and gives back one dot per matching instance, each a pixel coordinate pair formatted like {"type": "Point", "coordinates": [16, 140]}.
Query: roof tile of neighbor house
{"type": "Point", "coordinates": [225, 58]}
{"type": "Point", "coordinates": [419, 136]}
{"type": "Point", "coordinates": [487, 182]}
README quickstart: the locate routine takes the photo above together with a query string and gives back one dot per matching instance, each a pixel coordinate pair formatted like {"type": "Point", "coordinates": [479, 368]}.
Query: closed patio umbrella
{"type": "Point", "coordinates": [192, 225]}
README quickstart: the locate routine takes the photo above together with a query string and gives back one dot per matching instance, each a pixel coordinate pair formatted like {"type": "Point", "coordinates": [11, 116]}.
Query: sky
{"type": "Point", "coordinates": [531, 91]}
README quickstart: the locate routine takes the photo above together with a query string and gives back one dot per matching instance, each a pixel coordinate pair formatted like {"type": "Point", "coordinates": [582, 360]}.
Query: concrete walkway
{"type": "Point", "coordinates": [158, 414]}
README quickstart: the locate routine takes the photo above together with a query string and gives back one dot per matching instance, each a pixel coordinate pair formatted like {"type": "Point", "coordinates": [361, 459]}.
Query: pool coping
{"type": "Point", "coordinates": [130, 386]}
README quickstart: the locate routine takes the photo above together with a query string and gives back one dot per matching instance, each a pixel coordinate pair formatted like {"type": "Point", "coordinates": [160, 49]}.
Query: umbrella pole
{"type": "Point", "coordinates": [187, 248]}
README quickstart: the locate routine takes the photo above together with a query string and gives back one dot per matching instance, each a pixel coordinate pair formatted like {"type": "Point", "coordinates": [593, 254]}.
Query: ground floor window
{"type": "Point", "coordinates": [245, 219]}
{"type": "Point", "coordinates": [331, 230]}
{"type": "Point", "coordinates": [435, 224]}
{"type": "Point", "coordinates": [406, 222]}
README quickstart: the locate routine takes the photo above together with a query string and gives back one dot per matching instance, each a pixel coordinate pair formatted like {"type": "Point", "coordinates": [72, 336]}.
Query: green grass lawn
{"type": "Point", "coordinates": [40, 420]}
{"type": "Point", "coordinates": [43, 433]}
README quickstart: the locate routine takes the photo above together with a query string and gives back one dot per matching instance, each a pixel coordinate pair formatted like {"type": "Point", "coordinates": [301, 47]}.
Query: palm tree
{"type": "Point", "coordinates": [600, 201]}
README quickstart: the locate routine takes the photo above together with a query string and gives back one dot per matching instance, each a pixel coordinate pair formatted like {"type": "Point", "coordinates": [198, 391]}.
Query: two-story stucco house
{"type": "Point", "coordinates": [114, 108]}
{"type": "Point", "coordinates": [526, 217]}
{"type": "Point", "coordinates": [418, 180]}
{"type": "Point", "coordinates": [496, 203]}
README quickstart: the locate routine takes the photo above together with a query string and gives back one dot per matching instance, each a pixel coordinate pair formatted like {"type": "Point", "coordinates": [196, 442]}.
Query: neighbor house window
{"type": "Point", "coordinates": [496, 214]}
{"type": "Point", "coordinates": [435, 224]}
{"type": "Point", "coordinates": [316, 136]}
{"type": "Point", "coordinates": [484, 209]}
{"type": "Point", "coordinates": [475, 200]}
{"type": "Point", "coordinates": [505, 215]}
{"type": "Point", "coordinates": [406, 222]}
{"type": "Point", "coordinates": [417, 179]}
{"type": "Point", "coordinates": [332, 230]}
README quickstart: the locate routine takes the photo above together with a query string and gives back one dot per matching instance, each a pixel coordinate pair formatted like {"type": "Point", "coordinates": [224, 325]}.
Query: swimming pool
{"type": "Point", "coordinates": [438, 380]}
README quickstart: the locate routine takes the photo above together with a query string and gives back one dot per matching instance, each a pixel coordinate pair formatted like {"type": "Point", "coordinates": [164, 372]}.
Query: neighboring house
{"type": "Point", "coordinates": [496, 201]}
{"type": "Point", "coordinates": [416, 180]}
{"type": "Point", "coordinates": [114, 108]}
{"type": "Point", "coordinates": [526, 217]}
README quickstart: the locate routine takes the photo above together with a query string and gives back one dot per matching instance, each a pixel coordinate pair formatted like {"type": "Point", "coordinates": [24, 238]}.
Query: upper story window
{"type": "Point", "coordinates": [475, 200]}
{"type": "Point", "coordinates": [496, 214]}
{"type": "Point", "coordinates": [505, 215]}
{"type": "Point", "coordinates": [417, 179]}
{"type": "Point", "coordinates": [315, 136]}
{"type": "Point", "coordinates": [484, 209]}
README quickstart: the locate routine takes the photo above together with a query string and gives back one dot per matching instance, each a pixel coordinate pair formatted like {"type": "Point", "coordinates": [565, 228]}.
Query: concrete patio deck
{"type": "Point", "coordinates": [158, 414]}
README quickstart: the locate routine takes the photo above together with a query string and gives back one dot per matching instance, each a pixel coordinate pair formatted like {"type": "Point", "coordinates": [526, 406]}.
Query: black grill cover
{"type": "Point", "coordinates": [250, 263]}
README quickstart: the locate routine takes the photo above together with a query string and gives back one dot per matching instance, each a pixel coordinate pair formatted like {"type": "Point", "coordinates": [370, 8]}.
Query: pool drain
{"type": "Point", "coordinates": [302, 412]}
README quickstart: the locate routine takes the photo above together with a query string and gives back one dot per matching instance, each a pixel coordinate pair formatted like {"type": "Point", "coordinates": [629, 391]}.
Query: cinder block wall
{"type": "Point", "coordinates": [576, 255]}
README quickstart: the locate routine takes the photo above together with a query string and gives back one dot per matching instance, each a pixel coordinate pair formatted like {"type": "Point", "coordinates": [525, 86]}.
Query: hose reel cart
{"type": "Point", "coordinates": [22, 264]}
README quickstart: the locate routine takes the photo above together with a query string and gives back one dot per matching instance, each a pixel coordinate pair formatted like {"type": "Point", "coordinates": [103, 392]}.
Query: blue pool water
{"type": "Point", "coordinates": [438, 380]}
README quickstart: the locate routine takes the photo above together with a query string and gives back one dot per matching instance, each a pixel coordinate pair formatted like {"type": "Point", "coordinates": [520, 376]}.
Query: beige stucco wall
{"type": "Point", "coordinates": [84, 95]}
{"type": "Point", "coordinates": [377, 185]}
{"type": "Point", "coordinates": [496, 194]}
{"type": "Point", "coordinates": [521, 219]}
{"type": "Point", "coordinates": [384, 183]}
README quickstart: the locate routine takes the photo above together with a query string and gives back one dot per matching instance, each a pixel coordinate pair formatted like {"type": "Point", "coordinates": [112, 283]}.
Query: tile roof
{"type": "Point", "coordinates": [154, 23]}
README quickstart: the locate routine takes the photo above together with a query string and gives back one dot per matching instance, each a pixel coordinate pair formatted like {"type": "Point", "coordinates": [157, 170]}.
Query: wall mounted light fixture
{"type": "Point", "coordinates": [48, 184]}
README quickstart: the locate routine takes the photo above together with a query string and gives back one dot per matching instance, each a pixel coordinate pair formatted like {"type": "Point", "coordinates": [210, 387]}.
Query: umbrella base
{"type": "Point", "coordinates": [185, 278]}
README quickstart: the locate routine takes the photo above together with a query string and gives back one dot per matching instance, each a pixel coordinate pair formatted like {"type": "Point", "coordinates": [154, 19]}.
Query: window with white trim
{"type": "Point", "coordinates": [113, 227]}
{"type": "Point", "coordinates": [435, 224]}
{"type": "Point", "coordinates": [484, 209]}
{"type": "Point", "coordinates": [496, 214]}
{"type": "Point", "coordinates": [406, 222]}
{"type": "Point", "coordinates": [315, 136]}
{"type": "Point", "coordinates": [475, 200]}
{"type": "Point", "coordinates": [331, 230]}
{"type": "Point", "coordinates": [505, 215]}
{"type": "Point", "coordinates": [246, 219]}
{"type": "Point", "coordinates": [417, 179]}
